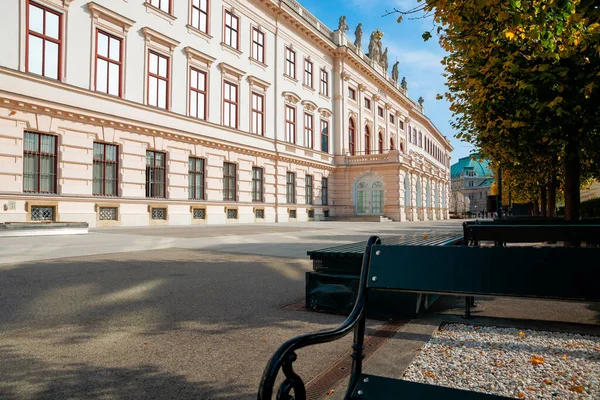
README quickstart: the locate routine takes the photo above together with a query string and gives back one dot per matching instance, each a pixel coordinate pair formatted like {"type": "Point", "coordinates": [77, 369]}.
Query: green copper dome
{"type": "Point", "coordinates": [480, 167]}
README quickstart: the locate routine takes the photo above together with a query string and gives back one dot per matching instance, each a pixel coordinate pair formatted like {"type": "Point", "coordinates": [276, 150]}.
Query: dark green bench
{"type": "Point", "coordinates": [333, 284]}
{"type": "Point", "coordinates": [495, 271]}
{"type": "Point", "coordinates": [501, 234]}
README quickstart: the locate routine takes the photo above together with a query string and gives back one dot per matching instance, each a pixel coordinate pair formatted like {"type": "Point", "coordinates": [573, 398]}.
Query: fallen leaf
{"type": "Point", "coordinates": [521, 333]}
{"type": "Point", "coordinates": [576, 389]}
{"type": "Point", "coordinates": [425, 236]}
{"type": "Point", "coordinates": [332, 391]}
{"type": "Point", "coordinates": [531, 389]}
{"type": "Point", "coordinates": [547, 381]}
{"type": "Point", "coordinates": [564, 357]}
{"type": "Point", "coordinates": [521, 395]}
{"type": "Point", "coordinates": [429, 374]}
{"type": "Point", "coordinates": [536, 360]}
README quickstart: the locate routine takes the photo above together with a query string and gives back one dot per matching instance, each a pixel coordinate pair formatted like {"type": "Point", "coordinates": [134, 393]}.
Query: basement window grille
{"type": "Point", "coordinates": [159, 213]}
{"type": "Point", "coordinates": [42, 213]}
{"type": "Point", "coordinates": [108, 213]}
{"type": "Point", "coordinates": [259, 214]}
{"type": "Point", "coordinates": [293, 214]}
{"type": "Point", "coordinates": [199, 213]}
{"type": "Point", "coordinates": [232, 213]}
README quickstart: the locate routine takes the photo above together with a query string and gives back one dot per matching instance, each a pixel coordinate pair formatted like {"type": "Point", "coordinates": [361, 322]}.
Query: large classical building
{"type": "Point", "coordinates": [141, 112]}
{"type": "Point", "coordinates": [471, 177]}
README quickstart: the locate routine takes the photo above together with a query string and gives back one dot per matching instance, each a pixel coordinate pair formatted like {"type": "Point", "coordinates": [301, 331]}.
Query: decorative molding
{"type": "Point", "coordinates": [60, 4]}
{"type": "Point", "coordinates": [291, 97]}
{"type": "Point", "coordinates": [108, 19]}
{"type": "Point", "coordinates": [309, 105]}
{"type": "Point", "coordinates": [153, 37]}
{"type": "Point", "coordinates": [255, 81]}
{"type": "Point", "coordinates": [199, 58]}
{"type": "Point", "coordinates": [150, 9]}
{"type": "Point", "coordinates": [362, 87]}
{"type": "Point", "coordinates": [376, 97]}
{"type": "Point", "coordinates": [232, 71]}
{"type": "Point", "coordinates": [345, 76]}
{"type": "Point", "coordinates": [325, 112]}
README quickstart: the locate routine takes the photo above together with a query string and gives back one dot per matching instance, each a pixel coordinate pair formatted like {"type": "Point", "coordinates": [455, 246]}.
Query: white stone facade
{"type": "Point", "coordinates": [157, 58]}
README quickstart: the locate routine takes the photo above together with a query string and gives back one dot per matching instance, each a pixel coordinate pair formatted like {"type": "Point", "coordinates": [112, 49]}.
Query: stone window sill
{"type": "Point", "coordinates": [157, 11]}
{"type": "Point", "coordinates": [256, 62]}
{"type": "Point", "coordinates": [308, 88]}
{"type": "Point", "coordinates": [198, 32]}
{"type": "Point", "coordinates": [230, 49]}
{"type": "Point", "coordinates": [289, 78]}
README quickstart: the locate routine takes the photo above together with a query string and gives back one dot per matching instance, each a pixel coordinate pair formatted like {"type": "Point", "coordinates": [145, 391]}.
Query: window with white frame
{"type": "Point", "coordinates": [258, 45]}
{"type": "Point", "coordinates": [258, 114]}
{"type": "Point", "coordinates": [163, 5]}
{"type": "Point", "coordinates": [290, 124]}
{"type": "Point", "coordinates": [290, 62]}
{"type": "Point", "coordinates": [324, 136]}
{"type": "Point", "coordinates": [308, 73]}
{"type": "Point", "coordinates": [230, 104]}
{"type": "Point", "coordinates": [324, 89]}
{"type": "Point", "coordinates": [44, 41]}
{"type": "Point", "coordinates": [158, 79]}
{"type": "Point", "coordinates": [199, 15]}
{"type": "Point", "coordinates": [232, 26]}
{"type": "Point", "coordinates": [309, 130]}
{"type": "Point", "coordinates": [109, 66]}
{"type": "Point", "coordinates": [198, 92]}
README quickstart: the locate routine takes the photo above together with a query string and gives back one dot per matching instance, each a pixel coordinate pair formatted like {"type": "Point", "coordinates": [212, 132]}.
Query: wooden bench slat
{"type": "Point", "coordinates": [547, 272]}
{"type": "Point", "coordinates": [379, 387]}
{"type": "Point", "coordinates": [533, 233]}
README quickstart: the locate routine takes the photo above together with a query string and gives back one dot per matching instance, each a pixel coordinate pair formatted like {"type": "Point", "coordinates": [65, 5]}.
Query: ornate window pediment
{"type": "Point", "coordinates": [109, 19]}
{"type": "Point", "coordinates": [325, 112]}
{"type": "Point", "coordinates": [158, 41]}
{"type": "Point", "coordinates": [309, 105]}
{"type": "Point", "coordinates": [232, 71]}
{"type": "Point", "coordinates": [258, 83]}
{"type": "Point", "coordinates": [198, 58]}
{"type": "Point", "coordinates": [291, 97]}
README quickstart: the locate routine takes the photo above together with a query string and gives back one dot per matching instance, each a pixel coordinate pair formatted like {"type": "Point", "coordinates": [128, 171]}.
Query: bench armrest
{"type": "Point", "coordinates": [285, 355]}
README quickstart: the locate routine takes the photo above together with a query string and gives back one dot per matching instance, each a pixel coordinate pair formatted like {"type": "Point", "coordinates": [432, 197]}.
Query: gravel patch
{"type": "Point", "coordinates": [522, 364]}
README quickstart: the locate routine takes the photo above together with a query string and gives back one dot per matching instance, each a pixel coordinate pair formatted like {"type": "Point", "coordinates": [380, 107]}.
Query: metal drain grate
{"type": "Point", "coordinates": [339, 372]}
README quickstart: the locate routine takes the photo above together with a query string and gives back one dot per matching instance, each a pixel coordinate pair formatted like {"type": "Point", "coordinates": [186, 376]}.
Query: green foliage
{"type": "Point", "coordinates": [589, 209]}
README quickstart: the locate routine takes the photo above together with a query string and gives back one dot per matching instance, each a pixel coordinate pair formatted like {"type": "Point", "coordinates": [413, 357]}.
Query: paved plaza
{"type": "Point", "coordinates": [190, 312]}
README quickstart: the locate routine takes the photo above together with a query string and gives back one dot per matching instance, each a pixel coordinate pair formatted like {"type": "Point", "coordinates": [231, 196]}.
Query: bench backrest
{"type": "Point", "coordinates": [547, 272]}
{"type": "Point", "coordinates": [532, 233]}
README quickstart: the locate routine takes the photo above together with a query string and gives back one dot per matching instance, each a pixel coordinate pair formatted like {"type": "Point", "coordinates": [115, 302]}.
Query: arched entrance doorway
{"type": "Point", "coordinates": [369, 196]}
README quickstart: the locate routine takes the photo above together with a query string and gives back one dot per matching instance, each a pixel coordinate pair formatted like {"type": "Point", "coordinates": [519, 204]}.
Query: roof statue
{"type": "Point", "coordinates": [375, 46]}
{"type": "Point", "coordinates": [403, 84]}
{"type": "Point", "coordinates": [342, 26]}
{"type": "Point", "coordinates": [358, 33]}
{"type": "Point", "coordinates": [421, 101]}
{"type": "Point", "coordinates": [395, 72]}
{"type": "Point", "coordinates": [384, 60]}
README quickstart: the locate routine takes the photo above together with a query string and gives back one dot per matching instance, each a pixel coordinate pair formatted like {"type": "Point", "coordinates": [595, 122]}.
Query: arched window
{"type": "Point", "coordinates": [351, 137]}
{"type": "Point", "coordinates": [367, 140]}
{"type": "Point", "coordinates": [392, 146]}
{"type": "Point", "coordinates": [380, 143]}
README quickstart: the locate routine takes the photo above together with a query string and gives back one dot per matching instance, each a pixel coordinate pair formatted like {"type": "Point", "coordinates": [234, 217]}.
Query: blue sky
{"type": "Point", "coordinates": [419, 60]}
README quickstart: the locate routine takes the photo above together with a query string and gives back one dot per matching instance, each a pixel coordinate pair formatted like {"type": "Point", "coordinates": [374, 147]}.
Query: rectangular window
{"type": "Point", "coordinates": [367, 104]}
{"type": "Point", "coordinates": [258, 114]}
{"type": "Point", "coordinates": [258, 45]}
{"type": "Point", "coordinates": [352, 93]}
{"type": "Point", "coordinates": [230, 104]}
{"type": "Point", "coordinates": [290, 188]}
{"type": "Point", "coordinates": [324, 90]}
{"type": "Point", "coordinates": [380, 111]}
{"type": "Point", "coordinates": [290, 62]}
{"type": "Point", "coordinates": [401, 125]}
{"type": "Point", "coordinates": [324, 136]}
{"type": "Point", "coordinates": [229, 182]}
{"type": "Point", "coordinates": [196, 179]}
{"type": "Point", "coordinates": [290, 124]}
{"type": "Point", "coordinates": [198, 86]}
{"type": "Point", "coordinates": [106, 170]}
{"type": "Point", "coordinates": [309, 131]}
{"type": "Point", "coordinates": [200, 15]}
{"type": "Point", "coordinates": [392, 119]}
{"type": "Point", "coordinates": [232, 25]}
{"type": "Point", "coordinates": [324, 194]}
{"type": "Point", "coordinates": [156, 174]}
{"type": "Point", "coordinates": [308, 73]}
{"type": "Point", "coordinates": [39, 163]}
{"type": "Point", "coordinates": [158, 80]}
{"type": "Point", "coordinates": [163, 5]}
{"type": "Point", "coordinates": [257, 184]}
{"type": "Point", "coordinates": [308, 189]}
{"type": "Point", "coordinates": [44, 41]}
{"type": "Point", "coordinates": [108, 63]}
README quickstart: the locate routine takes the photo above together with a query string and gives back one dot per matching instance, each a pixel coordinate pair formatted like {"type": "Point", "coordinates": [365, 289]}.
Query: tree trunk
{"type": "Point", "coordinates": [552, 197]}
{"type": "Point", "coordinates": [572, 182]}
{"type": "Point", "coordinates": [543, 201]}
{"type": "Point", "coordinates": [536, 208]}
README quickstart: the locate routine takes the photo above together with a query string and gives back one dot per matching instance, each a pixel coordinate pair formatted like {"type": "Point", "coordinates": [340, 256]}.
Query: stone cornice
{"type": "Point", "coordinates": [153, 36]}
{"type": "Point", "coordinates": [231, 70]}
{"type": "Point", "coordinates": [99, 11]}
{"type": "Point", "coordinates": [196, 56]}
